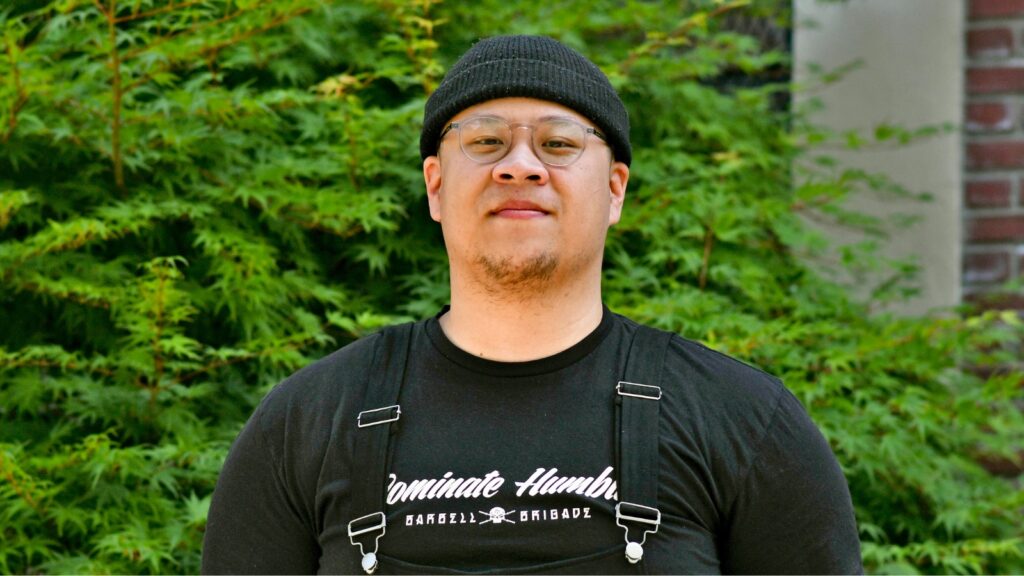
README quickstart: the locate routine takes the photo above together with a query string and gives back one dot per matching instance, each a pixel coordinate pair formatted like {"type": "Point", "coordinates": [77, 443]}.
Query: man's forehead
{"type": "Point", "coordinates": [525, 110]}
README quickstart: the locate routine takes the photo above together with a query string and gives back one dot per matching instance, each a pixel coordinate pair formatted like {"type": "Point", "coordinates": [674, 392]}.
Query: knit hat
{"type": "Point", "coordinates": [529, 66]}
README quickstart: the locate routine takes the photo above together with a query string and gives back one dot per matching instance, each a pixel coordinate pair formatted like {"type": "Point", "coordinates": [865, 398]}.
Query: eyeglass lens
{"type": "Point", "coordinates": [555, 142]}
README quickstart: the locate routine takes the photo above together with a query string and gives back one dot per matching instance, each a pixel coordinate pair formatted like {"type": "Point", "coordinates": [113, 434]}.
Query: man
{"type": "Point", "coordinates": [526, 428]}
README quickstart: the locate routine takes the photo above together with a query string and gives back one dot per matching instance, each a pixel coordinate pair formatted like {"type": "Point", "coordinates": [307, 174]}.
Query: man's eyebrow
{"type": "Point", "coordinates": [544, 118]}
{"type": "Point", "coordinates": [557, 117]}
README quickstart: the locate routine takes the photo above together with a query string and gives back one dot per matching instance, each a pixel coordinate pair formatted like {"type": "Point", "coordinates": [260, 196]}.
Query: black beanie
{"type": "Point", "coordinates": [528, 66]}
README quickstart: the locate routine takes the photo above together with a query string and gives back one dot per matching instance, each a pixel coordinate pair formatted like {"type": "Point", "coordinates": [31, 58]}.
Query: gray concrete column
{"type": "Point", "coordinates": [912, 75]}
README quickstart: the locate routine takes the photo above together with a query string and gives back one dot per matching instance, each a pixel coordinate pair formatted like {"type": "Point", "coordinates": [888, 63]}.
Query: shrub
{"type": "Point", "coordinates": [197, 198]}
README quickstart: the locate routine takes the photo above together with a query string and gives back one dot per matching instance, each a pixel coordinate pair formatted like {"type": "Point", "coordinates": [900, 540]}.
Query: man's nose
{"type": "Point", "coordinates": [520, 165]}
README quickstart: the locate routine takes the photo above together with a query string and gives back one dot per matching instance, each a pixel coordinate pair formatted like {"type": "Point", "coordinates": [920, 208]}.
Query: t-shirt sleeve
{"type": "Point", "coordinates": [253, 526]}
{"type": "Point", "coordinates": [792, 512]}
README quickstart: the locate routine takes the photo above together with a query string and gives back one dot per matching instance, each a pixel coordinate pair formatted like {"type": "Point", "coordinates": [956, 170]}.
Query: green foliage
{"type": "Point", "coordinates": [198, 197]}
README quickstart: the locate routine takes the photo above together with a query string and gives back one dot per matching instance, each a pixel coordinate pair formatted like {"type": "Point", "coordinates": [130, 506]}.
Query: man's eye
{"type": "Point", "coordinates": [560, 145]}
{"type": "Point", "coordinates": [486, 141]}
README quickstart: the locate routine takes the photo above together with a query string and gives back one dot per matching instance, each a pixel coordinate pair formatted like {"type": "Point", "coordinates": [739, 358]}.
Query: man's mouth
{"type": "Point", "coordinates": [519, 209]}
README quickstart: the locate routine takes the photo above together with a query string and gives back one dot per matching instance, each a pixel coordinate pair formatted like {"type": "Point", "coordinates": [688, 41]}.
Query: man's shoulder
{"type": "Point", "coordinates": [327, 380]}
{"type": "Point", "coordinates": [721, 400]}
{"type": "Point", "coordinates": [303, 414]}
{"type": "Point", "coordinates": [721, 369]}
{"type": "Point", "coordinates": [698, 367]}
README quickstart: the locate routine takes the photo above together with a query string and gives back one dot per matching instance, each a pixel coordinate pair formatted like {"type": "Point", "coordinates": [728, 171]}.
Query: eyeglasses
{"type": "Point", "coordinates": [487, 139]}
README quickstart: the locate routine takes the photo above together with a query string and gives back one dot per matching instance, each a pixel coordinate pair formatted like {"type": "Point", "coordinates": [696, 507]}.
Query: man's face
{"type": "Point", "coordinates": [516, 220]}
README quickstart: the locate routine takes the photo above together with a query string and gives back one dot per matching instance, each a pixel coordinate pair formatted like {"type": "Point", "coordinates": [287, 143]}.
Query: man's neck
{"type": "Point", "coordinates": [517, 327]}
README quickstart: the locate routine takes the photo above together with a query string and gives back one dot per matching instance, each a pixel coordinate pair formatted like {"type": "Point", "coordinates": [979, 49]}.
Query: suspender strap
{"type": "Point", "coordinates": [639, 399]}
{"type": "Point", "coordinates": [375, 425]}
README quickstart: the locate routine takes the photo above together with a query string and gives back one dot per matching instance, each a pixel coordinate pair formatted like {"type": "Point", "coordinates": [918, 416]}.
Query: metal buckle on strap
{"type": "Point", "coordinates": [369, 560]}
{"type": "Point", "coordinates": [636, 513]}
{"type": "Point", "coordinates": [385, 415]}
{"type": "Point", "coordinates": [645, 391]}
{"type": "Point", "coordinates": [356, 531]}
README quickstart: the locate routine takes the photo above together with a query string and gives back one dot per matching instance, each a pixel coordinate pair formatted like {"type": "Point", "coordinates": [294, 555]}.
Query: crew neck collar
{"type": "Point", "coordinates": [536, 367]}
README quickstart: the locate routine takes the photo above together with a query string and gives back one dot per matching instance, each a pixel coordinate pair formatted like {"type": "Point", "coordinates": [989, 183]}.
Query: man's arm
{"type": "Point", "coordinates": [253, 526]}
{"type": "Point", "coordinates": [792, 512]}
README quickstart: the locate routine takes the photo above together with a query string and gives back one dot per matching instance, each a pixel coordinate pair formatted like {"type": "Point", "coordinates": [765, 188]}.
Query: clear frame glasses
{"type": "Point", "coordinates": [487, 139]}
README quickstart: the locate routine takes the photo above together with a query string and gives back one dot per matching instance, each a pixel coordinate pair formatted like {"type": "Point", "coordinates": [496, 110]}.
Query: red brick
{"type": "Point", "coordinates": [988, 194]}
{"type": "Point", "coordinates": [1001, 465]}
{"type": "Point", "coordinates": [994, 80]}
{"type": "Point", "coordinates": [996, 8]}
{"type": "Point", "coordinates": [1000, 154]}
{"type": "Point", "coordinates": [995, 229]}
{"type": "Point", "coordinates": [986, 268]}
{"type": "Point", "coordinates": [995, 300]}
{"type": "Point", "coordinates": [990, 43]}
{"type": "Point", "coordinates": [989, 117]}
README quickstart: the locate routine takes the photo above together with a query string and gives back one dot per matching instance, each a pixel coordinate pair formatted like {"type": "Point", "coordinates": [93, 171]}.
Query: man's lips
{"type": "Point", "coordinates": [519, 209]}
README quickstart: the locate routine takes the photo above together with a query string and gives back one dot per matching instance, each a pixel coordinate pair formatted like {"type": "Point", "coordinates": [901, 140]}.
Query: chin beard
{"type": "Point", "coordinates": [508, 273]}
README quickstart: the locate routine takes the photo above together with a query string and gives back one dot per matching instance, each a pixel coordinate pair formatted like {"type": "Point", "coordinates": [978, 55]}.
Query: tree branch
{"type": "Point", "coordinates": [222, 363]}
{"type": "Point", "coordinates": [54, 364]}
{"type": "Point", "coordinates": [169, 8]}
{"type": "Point", "coordinates": [158, 322]}
{"type": "Point", "coordinates": [709, 241]}
{"type": "Point", "coordinates": [318, 227]}
{"type": "Point", "coordinates": [115, 122]}
{"type": "Point", "coordinates": [678, 32]}
{"type": "Point", "coordinates": [20, 98]}
{"type": "Point", "coordinates": [283, 18]}
{"type": "Point", "coordinates": [208, 52]}
{"type": "Point", "coordinates": [192, 29]}
{"type": "Point", "coordinates": [19, 490]}
{"type": "Point", "coordinates": [76, 297]}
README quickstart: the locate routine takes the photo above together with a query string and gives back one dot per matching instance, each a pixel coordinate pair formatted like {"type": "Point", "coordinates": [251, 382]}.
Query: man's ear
{"type": "Point", "coordinates": [432, 179]}
{"type": "Point", "coordinates": [618, 177]}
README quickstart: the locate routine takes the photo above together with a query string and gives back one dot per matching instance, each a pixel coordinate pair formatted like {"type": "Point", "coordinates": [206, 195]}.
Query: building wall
{"type": "Point", "coordinates": [912, 75]}
{"type": "Point", "coordinates": [994, 167]}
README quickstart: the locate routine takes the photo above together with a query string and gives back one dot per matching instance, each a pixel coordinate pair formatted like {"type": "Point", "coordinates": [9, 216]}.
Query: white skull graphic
{"type": "Point", "coordinates": [497, 515]}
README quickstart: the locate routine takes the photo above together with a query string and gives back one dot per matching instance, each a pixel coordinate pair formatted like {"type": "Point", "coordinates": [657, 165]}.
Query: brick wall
{"type": "Point", "coordinates": [994, 140]}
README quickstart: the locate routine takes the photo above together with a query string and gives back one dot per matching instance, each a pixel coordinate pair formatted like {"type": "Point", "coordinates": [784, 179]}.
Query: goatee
{"type": "Point", "coordinates": [508, 273]}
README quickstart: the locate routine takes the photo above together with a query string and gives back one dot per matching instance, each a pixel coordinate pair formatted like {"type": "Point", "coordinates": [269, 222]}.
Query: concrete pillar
{"type": "Point", "coordinates": [912, 75]}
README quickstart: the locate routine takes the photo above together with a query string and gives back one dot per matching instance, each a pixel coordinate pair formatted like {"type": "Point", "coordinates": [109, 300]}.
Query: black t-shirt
{"type": "Point", "coordinates": [502, 466]}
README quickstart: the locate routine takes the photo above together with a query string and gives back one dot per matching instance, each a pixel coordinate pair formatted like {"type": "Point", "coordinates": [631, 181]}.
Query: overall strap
{"type": "Point", "coordinates": [375, 424]}
{"type": "Point", "coordinates": [638, 400]}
